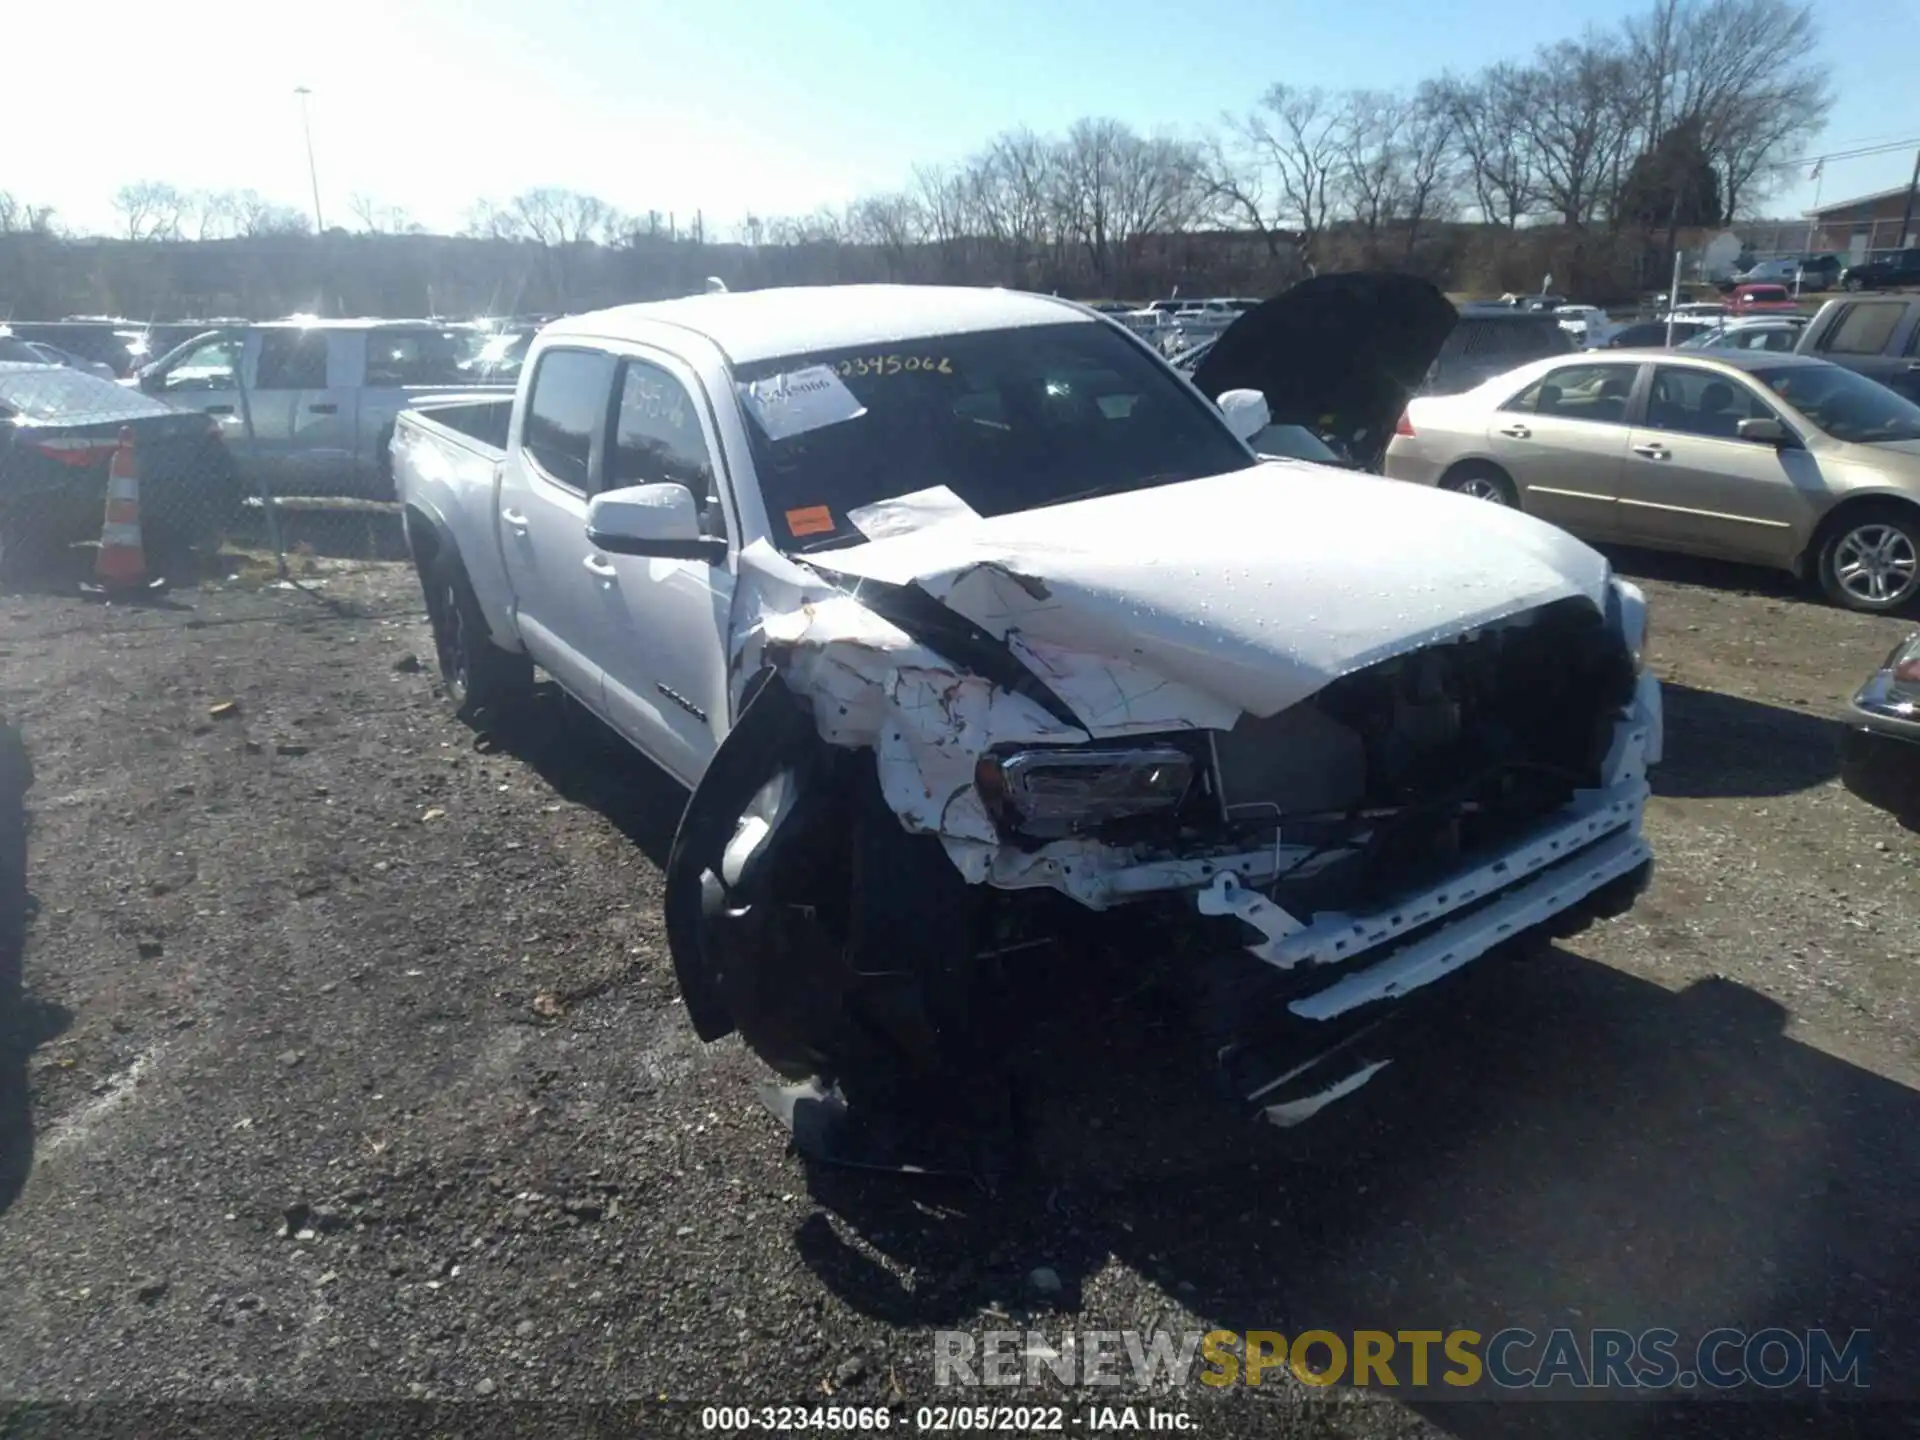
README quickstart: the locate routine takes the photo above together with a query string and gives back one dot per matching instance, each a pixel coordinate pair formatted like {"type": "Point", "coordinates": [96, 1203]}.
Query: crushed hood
{"type": "Point", "coordinates": [1339, 352]}
{"type": "Point", "coordinates": [1256, 588]}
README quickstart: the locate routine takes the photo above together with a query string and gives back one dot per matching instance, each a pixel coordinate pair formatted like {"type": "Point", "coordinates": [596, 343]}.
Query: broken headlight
{"type": "Point", "coordinates": [1627, 610]}
{"type": "Point", "coordinates": [1051, 793]}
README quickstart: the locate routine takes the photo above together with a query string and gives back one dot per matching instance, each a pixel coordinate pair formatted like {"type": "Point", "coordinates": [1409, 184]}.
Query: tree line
{"type": "Point", "coordinates": [1588, 158]}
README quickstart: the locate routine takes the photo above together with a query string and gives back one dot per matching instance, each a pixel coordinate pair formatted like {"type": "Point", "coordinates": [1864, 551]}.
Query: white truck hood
{"type": "Point", "coordinates": [1257, 588]}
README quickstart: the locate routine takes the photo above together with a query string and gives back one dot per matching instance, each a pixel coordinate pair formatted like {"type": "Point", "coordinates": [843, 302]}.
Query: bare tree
{"type": "Point", "coordinates": [556, 217]}
{"type": "Point", "coordinates": [1370, 148]}
{"type": "Point", "coordinates": [150, 210]}
{"type": "Point", "coordinates": [21, 217]}
{"type": "Point", "coordinates": [1488, 115]}
{"type": "Point", "coordinates": [488, 220]}
{"type": "Point", "coordinates": [1580, 118]}
{"type": "Point", "coordinates": [1429, 176]}
{"type": "Point", "coordinates": [377, 217]}
{"type": "Point", "coordinates": [1743, 71]}
{"type": "Point", "coordinates": [253, 215]}
{"type": "Point", "coordinates": [1295, 135]}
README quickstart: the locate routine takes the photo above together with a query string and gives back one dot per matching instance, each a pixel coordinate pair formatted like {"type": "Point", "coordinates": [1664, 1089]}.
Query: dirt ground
{"type": "Point", "coordinates": [345, 1061]}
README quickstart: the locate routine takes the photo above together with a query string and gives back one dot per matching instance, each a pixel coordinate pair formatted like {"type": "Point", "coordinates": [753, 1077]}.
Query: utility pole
{"type": "Point", "coordinates": [1906, 220]}
{"type": "Point", "coordinates": [313, 174]}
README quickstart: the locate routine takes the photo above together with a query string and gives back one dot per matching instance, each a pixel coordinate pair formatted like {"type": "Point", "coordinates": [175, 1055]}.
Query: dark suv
{"type": "Point", "coordinates": [1897, 267]}
{"type": "Point", "coordinates": [1489, 342]}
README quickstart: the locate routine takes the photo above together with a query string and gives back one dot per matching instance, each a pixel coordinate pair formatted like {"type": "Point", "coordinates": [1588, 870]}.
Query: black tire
{"type": "Point", "coordinates": [476, 674]}
{"type": "Point", "coordinates": [1482, 481]}
{"type": "Point", "coordinates": [1885, 540]}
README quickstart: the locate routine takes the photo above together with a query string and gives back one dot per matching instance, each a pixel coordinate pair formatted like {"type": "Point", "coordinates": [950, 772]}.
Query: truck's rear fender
{"type": "Point", "coordinates": [448, 485]}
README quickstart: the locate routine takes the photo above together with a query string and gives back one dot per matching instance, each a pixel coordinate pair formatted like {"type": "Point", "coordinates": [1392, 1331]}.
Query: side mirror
{"type": "Point", "coordinates": [659, 521]}
{"type": "Point", "coordinates": [1762, 431]}
{"type": "Point", "coordinates": [1245, 411]}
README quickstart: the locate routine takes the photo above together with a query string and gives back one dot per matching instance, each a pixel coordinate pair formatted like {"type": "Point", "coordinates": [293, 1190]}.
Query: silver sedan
{"type": "Point", "coordinates": [1777, 460]}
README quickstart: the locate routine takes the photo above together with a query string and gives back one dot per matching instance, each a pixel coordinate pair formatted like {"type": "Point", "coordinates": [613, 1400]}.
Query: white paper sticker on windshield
{"type": "Point", "coordinates": [904, 513]}
{"type": "Point", "coordinates": [800, 400]}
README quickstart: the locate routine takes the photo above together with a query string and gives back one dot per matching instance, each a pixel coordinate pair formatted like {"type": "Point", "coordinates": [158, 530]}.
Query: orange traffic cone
{"type": "Point", "coordinates": [121, 566]}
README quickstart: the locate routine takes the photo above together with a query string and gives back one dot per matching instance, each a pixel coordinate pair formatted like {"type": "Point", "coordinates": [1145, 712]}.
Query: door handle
{"type": "Point", "coordinates": [1913, 367]}
{"type": "Point", "coordinates": [323, 409]}
{"type": "Point", "coordinates": [515, 520]}
{"type": "Point", "coordinates": [1517, 432]}
{"type": "Point", "coordinates": [219, 409]}
{"type": "Point", "coordinates": [600, 568]}
{"type": "Point", "coordinates": [1652, 452]}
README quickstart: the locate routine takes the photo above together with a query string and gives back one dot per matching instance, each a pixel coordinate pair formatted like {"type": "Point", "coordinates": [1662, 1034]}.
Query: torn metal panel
{"type": "Point", "coordinates": [1169, 580]}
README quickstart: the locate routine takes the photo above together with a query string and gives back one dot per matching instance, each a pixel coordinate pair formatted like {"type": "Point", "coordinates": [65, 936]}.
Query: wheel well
{"type": "Point", "coordinates": [1475, 466]}
{"type": "Point", "coordinates": [1844, 513]}
{"type": "Point", "coordinates": [423, 536]}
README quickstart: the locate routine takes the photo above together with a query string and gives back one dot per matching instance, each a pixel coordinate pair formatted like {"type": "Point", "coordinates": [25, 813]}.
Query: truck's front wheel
{"type": "Point", "coordinates": [475, 673]}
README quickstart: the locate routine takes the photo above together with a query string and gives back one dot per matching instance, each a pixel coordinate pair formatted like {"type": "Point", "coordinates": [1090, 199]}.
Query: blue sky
{"type": "Point", "coordinates": [775, 106]}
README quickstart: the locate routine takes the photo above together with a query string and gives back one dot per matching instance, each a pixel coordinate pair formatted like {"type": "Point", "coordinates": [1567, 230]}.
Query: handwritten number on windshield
{"type": "Point", "coordinates": [895, 365]}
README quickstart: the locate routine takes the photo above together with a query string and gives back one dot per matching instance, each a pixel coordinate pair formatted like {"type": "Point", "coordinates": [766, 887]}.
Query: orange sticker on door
{"type": "Point", "coordinates": [810, 520]}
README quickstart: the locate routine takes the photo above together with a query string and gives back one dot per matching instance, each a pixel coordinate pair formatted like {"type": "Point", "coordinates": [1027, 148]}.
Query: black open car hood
{"type": "Point", "coordinates": [1337, 353]}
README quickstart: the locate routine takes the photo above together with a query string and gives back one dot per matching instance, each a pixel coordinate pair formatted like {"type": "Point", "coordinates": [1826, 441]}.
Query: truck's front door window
{"type": "Point", "coordinates": [657, 437]}
{"type": "Point", "coordinates": [1007, 419]}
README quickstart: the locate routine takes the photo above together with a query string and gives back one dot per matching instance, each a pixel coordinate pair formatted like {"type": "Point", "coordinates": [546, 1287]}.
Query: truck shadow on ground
{"type": "Point", "coordinates": [587, 763]}
{"type": "Point", "coordinates": [1730, 575]}
{"type": "Point", "coordinates": [1568, 1146]}
{"type": "Point", "coordinates": [25, 1024]}
{"type": "Point", "coordinates": [1726, 746]}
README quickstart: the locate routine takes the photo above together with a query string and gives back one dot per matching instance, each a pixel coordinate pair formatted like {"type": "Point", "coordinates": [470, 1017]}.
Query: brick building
{"type": "Point", "coordinates": [1852, 228]}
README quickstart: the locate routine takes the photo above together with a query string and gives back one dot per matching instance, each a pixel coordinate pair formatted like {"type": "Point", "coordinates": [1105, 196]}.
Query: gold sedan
{"type": "Point", "coordinates": [1777, 460]}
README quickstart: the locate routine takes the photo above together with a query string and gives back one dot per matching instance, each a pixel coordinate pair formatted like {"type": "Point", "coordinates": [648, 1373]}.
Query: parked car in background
{"type": "Point", "coordinates": [1887, 272]}
{"type": "Point", "coordinates": [1643, 333]}
{"type": "Point", "coordinates": [59, 427]}
{"type": "Point", "coordinates": [1880, 746]}
{"type": "Point", "coordinates": [1772, 459]}
{"type": "Point", "coordinates": [1762, 300]}
{"type": "Point", "coordinates": [1339, 355]}
{"type": "Point", "coordinates": [1776, 333]}
{"type": "Point", "coordinates": [36, 352]}
{"type": "Point", "coordinates": [1779, 270]}
{"type": "Point", "coordinates": [1819, 272]}
{"type": "Point", "coordinates": [308, 406]}
{"type": "Point", "coordinates": [1589, 325]}
{"type": "Point", "coordinates": [1879, 338]}
{"type": "Point", "coordinates": [962, 616]}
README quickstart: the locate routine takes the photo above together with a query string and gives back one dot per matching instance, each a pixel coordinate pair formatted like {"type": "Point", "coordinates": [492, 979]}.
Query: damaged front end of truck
{"type": "Point", "coordinates": [950, 745]}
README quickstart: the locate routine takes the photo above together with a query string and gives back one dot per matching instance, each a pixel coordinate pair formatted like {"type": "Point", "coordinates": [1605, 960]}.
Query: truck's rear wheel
{"type": "Point", "coordinates": [475, 673]}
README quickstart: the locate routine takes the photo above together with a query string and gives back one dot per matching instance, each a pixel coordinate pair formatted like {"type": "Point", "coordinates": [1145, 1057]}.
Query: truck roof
{"type": "Point", "coordinates": [753, 325]}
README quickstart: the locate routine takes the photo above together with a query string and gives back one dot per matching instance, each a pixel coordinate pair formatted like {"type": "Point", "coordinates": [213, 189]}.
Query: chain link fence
{"type": "Point", "coordinates": [252, 462]}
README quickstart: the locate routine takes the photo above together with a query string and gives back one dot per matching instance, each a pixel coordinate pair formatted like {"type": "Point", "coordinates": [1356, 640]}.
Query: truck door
{"type": "Point", "coordinates": [304, 443]}
{"type": "Point", "coordinates": [551, 468]}
{"type": "Point", "coordinates": [664, 655]}
{"type": "Point", "coordinates": [206, 377]}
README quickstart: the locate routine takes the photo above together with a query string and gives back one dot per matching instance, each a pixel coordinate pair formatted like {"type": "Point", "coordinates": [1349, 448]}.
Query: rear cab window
{"type": "Point", "coordinates": [426, 356]}
{"type": "Point", "coordinates": [567, 411]}
{"type": "Point", "coordinates": [1863, 329]}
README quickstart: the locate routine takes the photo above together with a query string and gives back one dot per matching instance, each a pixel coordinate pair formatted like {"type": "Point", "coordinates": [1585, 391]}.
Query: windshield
{"type": "Point", "coordinates": [1007, 420]}
{"type": "Point", "coordinates": [1845, 405]}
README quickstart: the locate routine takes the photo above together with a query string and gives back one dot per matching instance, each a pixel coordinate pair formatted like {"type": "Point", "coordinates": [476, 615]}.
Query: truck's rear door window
{"type": "Point", "coordinates": [566, 410]}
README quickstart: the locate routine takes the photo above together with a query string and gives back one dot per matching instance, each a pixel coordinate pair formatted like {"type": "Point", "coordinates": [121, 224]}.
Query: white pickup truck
{"type": "Point", "coordinates": [965, 617]}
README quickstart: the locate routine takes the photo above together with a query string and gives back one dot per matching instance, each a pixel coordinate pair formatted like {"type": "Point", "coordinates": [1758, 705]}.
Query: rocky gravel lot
{"type": "Point", "coordinates": [342, 1059]}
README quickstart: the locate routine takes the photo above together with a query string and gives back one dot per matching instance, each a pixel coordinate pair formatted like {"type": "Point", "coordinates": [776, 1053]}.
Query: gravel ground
{"type": "Point", "coordinates": [345, 1060]}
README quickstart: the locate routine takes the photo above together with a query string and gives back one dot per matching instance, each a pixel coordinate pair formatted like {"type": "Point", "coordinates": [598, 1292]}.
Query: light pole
{"type": "Point", "coordinates": [1818, 176]}
{"type": "Point", "coordinates": [313, 174]}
